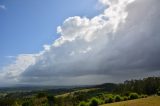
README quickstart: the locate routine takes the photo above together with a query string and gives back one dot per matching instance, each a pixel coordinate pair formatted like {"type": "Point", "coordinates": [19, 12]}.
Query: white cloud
{"type": "Point", "coordinates": [12, 71]}
{"type": "Point", "coordinates": [3, 7]}
{"type": "Point", "coordinates": [10, 56]}
{"type": "Point", "coordinates": [46, 47]}
{"type": "Point", "coordinates": [117, 44]}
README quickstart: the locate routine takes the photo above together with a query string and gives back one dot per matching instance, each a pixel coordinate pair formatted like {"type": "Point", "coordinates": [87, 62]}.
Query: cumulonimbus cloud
{"type": "Point", "coordinates": [120, 43]}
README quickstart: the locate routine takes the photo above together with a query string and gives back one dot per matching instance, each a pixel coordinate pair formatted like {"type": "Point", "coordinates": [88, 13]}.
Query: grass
{"type": "Point", "coordinates": [82, 90]}
{"type": "Point", "coordinates": [150, 101]}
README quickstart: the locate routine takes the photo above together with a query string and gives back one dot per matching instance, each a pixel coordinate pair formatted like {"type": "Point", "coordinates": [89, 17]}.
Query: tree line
{"type": "Point", "coordinates": [149, 86]}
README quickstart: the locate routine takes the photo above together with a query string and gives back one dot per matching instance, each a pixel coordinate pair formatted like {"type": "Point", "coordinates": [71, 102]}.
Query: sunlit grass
{"type": "Point", "coordinates": [83, 90]}
{"type": "Point", "coordinates": [150, 101]}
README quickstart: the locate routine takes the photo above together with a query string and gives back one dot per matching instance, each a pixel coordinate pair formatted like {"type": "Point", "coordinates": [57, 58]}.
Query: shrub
{"type": "Point", "coordinates": [133, 96]}
{"type": "Point", "coordinates": [41, 95]}
{"type": "Point", "coordinates": [51, 99]}
{"type": "Point", "coordinates": [143, 96]}
{"type": "Point", "coordinates": [125, 98]}
{"type": "Point", "coordinates": [94, 102]}
{"type": "Point", "coordinates": [109, 100]}
{"type": "Point", "coordinates": [109, 95]}
{"type": "Point", "coordinates": [7, 102]}
{"type": "Point", "coordinates": [82, 103]}
{"type": "Point", "coordinates": [117, 98]}
{"type": "Point", "coordinates": [127, 93]}
{"type": "Point", "coordinates": [27, 103]}
{"type": "Point", "coordinates": [158, 93]}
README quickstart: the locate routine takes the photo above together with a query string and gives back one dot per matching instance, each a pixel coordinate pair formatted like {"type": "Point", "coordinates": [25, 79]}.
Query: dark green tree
{"type": "Point", "coordinates": [51, 100]}
{"type": "Point", "coordinates": [94, 102]}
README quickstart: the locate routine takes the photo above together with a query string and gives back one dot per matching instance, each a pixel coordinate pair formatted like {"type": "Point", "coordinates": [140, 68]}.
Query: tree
{"type": "Point", "coordinates": [41, 94]}
{"type": "Point", "coordinates": [133, 96]}
{"type": "Point", "coordinates": [82, 103]}
{"type": "Point", "coordinates": [117, 98]}
{"type": "Point", "coordinates": [51, 100]}
{"type": "Point", "coordinates": [27, 103]}
{"type": "Point", "coordinates": [94, 102]}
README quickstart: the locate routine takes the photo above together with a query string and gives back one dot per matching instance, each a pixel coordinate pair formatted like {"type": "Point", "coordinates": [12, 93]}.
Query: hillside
{"type": "Point", "coordinates": [128, 93]}
{"type": "Point", "coordinates": [150, 101]}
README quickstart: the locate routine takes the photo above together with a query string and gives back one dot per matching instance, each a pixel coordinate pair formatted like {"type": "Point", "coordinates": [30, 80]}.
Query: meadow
{"type": "Point", "coordinates": [149, 101]}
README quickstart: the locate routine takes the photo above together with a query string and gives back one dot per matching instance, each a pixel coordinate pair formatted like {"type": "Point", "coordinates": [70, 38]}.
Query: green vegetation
{"type": "Point", "coordinates": [94, 102]}
{"type": "Point", "coordinates": [125, 98]}
{"type": "Point", "coordinates": [158, 93]}
{"type": "Point", "coordinates": [146, 86]}
{"type": "Point", "coordinates": [87, 96]}
{"type": "Point", "coordinates": [133, 96]}
{"type": "Point", "coordinates": [117, 98]}
{"type": "Point", "coordinates": [150, 101]}
{"type": "Point", "coordinates": [41, 94]}
{"type": "Point", "coordinates": [82, 103]}
{"type": "Point", "coordinates": [110, 100]}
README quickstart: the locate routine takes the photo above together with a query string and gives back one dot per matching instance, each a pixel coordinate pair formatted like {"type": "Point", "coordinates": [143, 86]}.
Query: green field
{"type": "Point", "coordinates": [150, 101]}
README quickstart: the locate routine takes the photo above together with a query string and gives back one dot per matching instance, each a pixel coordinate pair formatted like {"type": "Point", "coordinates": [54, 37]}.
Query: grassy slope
{"type": "Point", "coordinates": [82, 90]}
{"type": "Point", "coordinates": [150, 101]}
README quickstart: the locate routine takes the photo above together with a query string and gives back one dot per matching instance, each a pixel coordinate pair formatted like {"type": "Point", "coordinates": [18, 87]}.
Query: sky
{"type": "Point", "coordinates": [73, 42]}
{"type": "Point", "coordinates": [26, 25]}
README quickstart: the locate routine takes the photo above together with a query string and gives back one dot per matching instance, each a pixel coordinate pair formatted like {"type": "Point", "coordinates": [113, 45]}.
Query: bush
{"type": "Point", "coordinates": [109, 100]}
{"type": "Point", "coordinates": [7, 102]}
{"type": "Point", "coordinates": [94, 102]}
{"type": "Point", "coordinates": [51, 99]}
{"type": "Point", "coordinates": [27, 103]}
{"type": "Point", "coordinates": [143, 96]}
{"type": "Point", "coordinates": [133, 96]}
{"type": "Point", "coordinates": [41, 95]}
{"type": "Point", "coordinates": [127, 93]}
{"type": "Point", "coordinates": [158, 93]}
{"type": "Point", "coordinates": [82, 103]}
{"type": "Point", "coordinates": [125, 98]}
{"type": "Point", "coordinates": [117, 98]}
